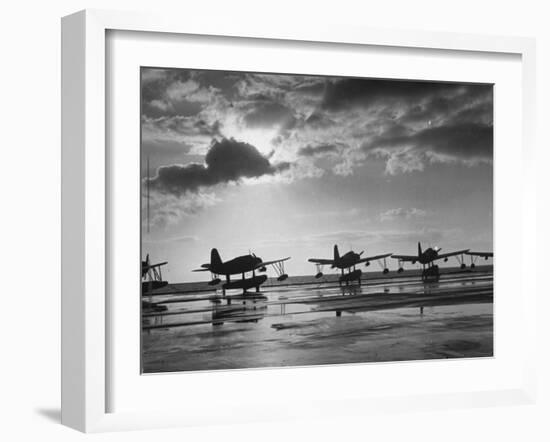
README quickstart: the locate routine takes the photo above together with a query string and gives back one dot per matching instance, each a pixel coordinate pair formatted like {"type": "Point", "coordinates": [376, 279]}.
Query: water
{"type": "Point", "coordinates": [304, 323]}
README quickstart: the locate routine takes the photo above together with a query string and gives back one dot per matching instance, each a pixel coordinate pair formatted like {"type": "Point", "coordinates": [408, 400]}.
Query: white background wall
{"type": "Point", "coordinates": [30, 220]}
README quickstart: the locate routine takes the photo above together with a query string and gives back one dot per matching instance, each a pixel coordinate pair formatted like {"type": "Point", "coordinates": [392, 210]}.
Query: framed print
{"type": "Point", "coordinates": [246, 208]}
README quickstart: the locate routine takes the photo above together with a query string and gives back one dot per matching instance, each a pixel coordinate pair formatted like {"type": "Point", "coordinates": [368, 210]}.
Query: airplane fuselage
{"type": "Point", "coordinates": [428, 256]}
{"type": "Point", "coordinates": [237, 266]}
{"type": "Point", "coordinates": [348, 260]}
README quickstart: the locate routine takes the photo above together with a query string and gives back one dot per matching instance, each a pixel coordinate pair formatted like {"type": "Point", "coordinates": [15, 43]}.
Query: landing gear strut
{"type": "Point", "coordinates": [431, 273]}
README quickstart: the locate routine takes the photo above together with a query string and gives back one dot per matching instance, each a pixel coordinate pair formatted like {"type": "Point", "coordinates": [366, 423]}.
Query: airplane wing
{"type": "Point", "coordinates": [446, 255]}
{"type": "Point", "coordinates": [374, 258]}
{"type": "Point", "coordinates": [204, 268]}
{"type": "Point", "coordinates": [266, 263]}
{"type": "Point", "coordinates": [151, 266]}
{"type": "Point", "coordinates": [405, 257]}
{"type": "Point", "coordinates": [482, 254]}
{"type": "Point", "coordinates": [145, 266]}
{"type": "Point", "coordinates": [321, 261]}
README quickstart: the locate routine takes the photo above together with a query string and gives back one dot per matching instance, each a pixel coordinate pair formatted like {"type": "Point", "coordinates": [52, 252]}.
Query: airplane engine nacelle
{"type": "Point", "coordinates": [462, 266]}
{"type": "Point", "coordinates": [319, 275]}
{"type": "Point", "coordinates": [367, 264]}
{"type": "Point", "coordinates": [262, 269]}
{"type": "Point", "coordinates": [400, 270]}
{"type": "Point", "coordinates": [445, 259]}
{"type": "Point", "coordinates": [282, 277]}
{"type": "Point", "coordinates": [385, 271]}
{"type": "Point", "coordinates": [215, 281]}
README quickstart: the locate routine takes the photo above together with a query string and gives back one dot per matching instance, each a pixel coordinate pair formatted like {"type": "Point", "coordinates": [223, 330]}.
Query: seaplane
{"type": "Point", "coordinates": [242, 265]}
{"type": "Point", "coordinates": [151, 279]}
{"type": "Point", "coordinates": [151, 276]}
{"type": "Point", "coordinates": [427, 258]}
{"type": "Point", "coordinates": [348, 262]}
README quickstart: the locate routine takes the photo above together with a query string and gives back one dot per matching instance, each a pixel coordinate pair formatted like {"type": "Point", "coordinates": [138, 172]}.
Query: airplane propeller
{"type": "Point", "coordinates": [145, 266]}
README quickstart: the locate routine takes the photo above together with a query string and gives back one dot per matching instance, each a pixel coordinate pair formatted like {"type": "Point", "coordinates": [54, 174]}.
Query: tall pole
{"type": "Point", "coordinates": [148, 208]}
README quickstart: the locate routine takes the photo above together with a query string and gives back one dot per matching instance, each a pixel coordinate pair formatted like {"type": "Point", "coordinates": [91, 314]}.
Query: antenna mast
{"type": "Point", "coordinates": [148, 208]}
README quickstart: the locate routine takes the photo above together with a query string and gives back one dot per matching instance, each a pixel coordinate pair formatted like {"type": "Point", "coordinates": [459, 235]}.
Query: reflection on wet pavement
{"type": "Point", "coordinates": [390, 319]}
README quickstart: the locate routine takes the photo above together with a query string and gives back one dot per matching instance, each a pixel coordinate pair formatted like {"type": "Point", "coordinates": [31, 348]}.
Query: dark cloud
{"type": "Point", "coordinates": [226, 82]}
{"type": "Point", "coordinates": [466, 140]}
{"type": "Point", "coordinates": [188, 126]}
{"type": "Point", "coordinates": [462, 140]}
{"type": "Point", "coordinates": [470, 104]}
{"type": "Point", "coordinates": [226, 161]}
{"type": "Point", "coordinates": [180, 92]}
{"type": "Point", "coordinates": [393, 130]}
{"type": "Point", "coordinates": [161, 152]}
{"type": "Point", "coordinates": [158, 108]}
{"type": "Point", "coordinates": [418, 125]}
{"type": "Point", "coordinates": [351, 92]}
{"type": "Point", "coordinates": [319, 120]}
{"type": "Point", "coordinates": [311, 88]}
{"type": "Point", "coordinates": [320, 149]}
{"type": "Point", "coordinates": [156, 81]}
{"type": "Point", "coordinates": [479, 112]}
{"type": "Point", "coordinates": [355, 92]}
{"type": "Point", "coordinates": [266, 113]}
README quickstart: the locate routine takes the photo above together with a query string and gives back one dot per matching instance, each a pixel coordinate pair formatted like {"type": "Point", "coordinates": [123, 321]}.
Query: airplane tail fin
{"type": "Point", "coordinates": [215, 259]}
{"type": "Point", "coordinates": [419, 249]}
{"type": "Point", "coordinates": [336, 253]}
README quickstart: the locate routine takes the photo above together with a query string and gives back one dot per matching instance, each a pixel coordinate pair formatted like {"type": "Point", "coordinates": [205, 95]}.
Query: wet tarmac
{"type": "Point", "coordinates": [312, 323]}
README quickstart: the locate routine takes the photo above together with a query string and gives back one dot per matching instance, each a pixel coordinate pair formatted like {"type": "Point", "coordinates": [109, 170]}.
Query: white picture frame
{"type": "Point", "coordinates": [86, 354]}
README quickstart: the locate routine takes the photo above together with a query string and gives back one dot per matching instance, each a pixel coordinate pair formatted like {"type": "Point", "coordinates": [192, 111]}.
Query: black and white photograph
{"type": "Point", "coordinates": [299, 220]}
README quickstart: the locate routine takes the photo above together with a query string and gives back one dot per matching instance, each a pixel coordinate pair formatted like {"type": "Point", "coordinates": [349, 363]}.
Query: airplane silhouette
{"type": "Point", "coordinates": [240, 266]}
{"type": "Point", "coordinates": [347, 261]}
{"type": "Point", "coordinates": [151, 275]}
{"type": "Point", "coordinates": [427, 259]}
{"type": "Point", "coordinates": [151, 279]}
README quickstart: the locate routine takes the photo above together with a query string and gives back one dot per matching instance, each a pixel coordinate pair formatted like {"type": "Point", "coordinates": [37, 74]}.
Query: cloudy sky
{"type": "Point", "coordinates": [287, 165]}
